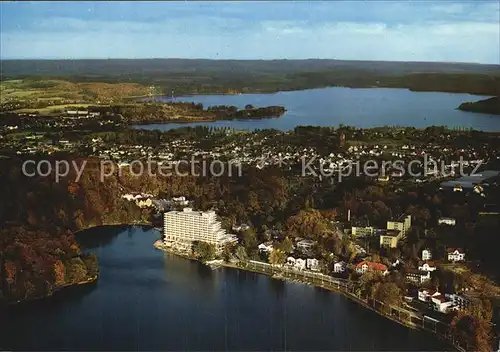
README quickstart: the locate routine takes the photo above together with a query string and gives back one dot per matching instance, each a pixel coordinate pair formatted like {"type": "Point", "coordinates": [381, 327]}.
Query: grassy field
{"type": "Point", "coordinates": [61, 94]}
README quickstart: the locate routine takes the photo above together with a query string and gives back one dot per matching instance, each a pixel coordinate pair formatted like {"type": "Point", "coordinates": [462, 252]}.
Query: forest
{"type": "Point", "coordinates": [183, 76]}
{"type": "Point", "coordinates": [486, 106]}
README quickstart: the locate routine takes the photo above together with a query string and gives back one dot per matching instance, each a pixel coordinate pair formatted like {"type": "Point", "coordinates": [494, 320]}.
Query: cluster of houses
{"type": "Point", "coordinates": [142, 200]}
{"type": "Point", "coordinates": [81, 114]}
{"type": "Point", "coordinates": [301, 245]}
{"type": "Point", "coordinates": [303, 264]}
{"type": "Point", "coordinates": [444, 303]}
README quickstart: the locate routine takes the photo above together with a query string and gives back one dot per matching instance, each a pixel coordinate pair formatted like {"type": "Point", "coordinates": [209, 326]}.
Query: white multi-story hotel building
{"type": "Point", "coordinates": [182, 228]}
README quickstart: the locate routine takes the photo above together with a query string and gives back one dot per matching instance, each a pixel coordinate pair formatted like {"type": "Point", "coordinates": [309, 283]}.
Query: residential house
{"type": "Point", "coordinates": [418, 276]}
{"type": "Point", "coordinates": [441, 304]}
{"type": "Point", "coordinates": [180, 200]}
{"type": "Point", "coordinates": [312, 264]}
{"type": "Point", "coordinates": [455, 255]}
{"type": "Point", "coordinates": [426, 254]}
{"type": "Point", "coordinates": [300, 264]}
{"type": "Point", "coordinates": [339, 267]}
{"type": "Point", "coordinates": [427, 266]}
{"type": "Point", "coordinates": [447, 221]}
{"type": "Point", "coordinates": [365, 266]}
{"type": "Point", "coordinates": [266, 247]}
{"type": "Point", "coordinates": [425, 294]}
{"type": "Point", "coordinates": [240, 227]}
{"type": "Point", "coordinates": [305, 245]}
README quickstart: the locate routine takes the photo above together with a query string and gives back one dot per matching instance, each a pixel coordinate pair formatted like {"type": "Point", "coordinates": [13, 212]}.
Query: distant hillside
{"type": "Point", "coordinates": [196, 76]}
{"type": "Point", "coordinates": [487, 106]}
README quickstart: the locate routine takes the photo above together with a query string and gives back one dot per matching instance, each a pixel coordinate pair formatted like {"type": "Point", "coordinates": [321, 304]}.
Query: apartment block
{"type": "Point", "coordinates": [182, 228]}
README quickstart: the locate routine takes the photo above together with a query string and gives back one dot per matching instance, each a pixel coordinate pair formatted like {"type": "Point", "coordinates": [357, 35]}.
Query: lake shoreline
{"type": "Point", "coordinates": [56, 292]}
{"type": "Point", "coordinates": [332, 106]}
{"type": "Point", "coordinates": [87, 281]}
{"type": "Point", "coordinates": [221, 263]}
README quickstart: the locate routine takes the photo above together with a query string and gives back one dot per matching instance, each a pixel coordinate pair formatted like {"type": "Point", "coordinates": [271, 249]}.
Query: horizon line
{"type": "Point", "coordinates": [211, 59]}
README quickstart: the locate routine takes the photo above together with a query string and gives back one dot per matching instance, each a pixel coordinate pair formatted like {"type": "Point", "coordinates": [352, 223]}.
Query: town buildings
{"type": "Point", "coordinates": [339, 267]}
{"type": "Point", "coordinates": [418, 276]}
{"type": "Point", "coordinates": [447, 221]}
{"type": "Point", "coordinates": [182, 228]}
{"type": "Point", "coordinates": [396, 230]}
{"type": "Point", "coordinates": [426, 254]}
{"type": "Point", "coordinates": [305, 245]}
{"type": "Point", "coordinates": [462, 302]}
{"type": "Point", "coordinates": [427, 266]}
{"type": "Point", "coordinates": [401, 223]}
{"type": "Point", "coordinates": [390, 238]}
{"type": "Point", "coordinates": [455, 255]}
{"type": "Point", "coordinates": [365, 266]}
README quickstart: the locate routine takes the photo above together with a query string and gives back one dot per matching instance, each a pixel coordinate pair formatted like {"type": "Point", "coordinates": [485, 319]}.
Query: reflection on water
{"type": "Point", "coordinates": [149, 300]}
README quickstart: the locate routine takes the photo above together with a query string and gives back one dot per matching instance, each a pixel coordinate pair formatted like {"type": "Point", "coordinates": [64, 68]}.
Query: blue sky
{"type": "Point", "coordinates": [358, 30]}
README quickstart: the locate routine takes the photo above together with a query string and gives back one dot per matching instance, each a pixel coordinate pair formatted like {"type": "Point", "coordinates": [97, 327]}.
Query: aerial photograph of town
{"type": "Point", "coordinates": [250, 176]}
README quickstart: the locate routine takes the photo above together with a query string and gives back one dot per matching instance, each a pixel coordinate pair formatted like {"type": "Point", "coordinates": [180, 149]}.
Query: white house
{"type": "Point", "coordinates": [365, 266]}
{"type": "Point", "coordinates": [290, 261]}
{"type": "Point", "coordinates": [441, 304]}
{"type": "Point", "coordinates": [266, 247]}
{"type": "Point", "coordinates": [240, 227]}
{"type": "Point", "coordinates": [455, 255]}
{"type": "Point", "coordinates": [305, 245]}
{"type": "Point", "coordinates": [427, 266]}
{"type": "Point", "coordinates": [418, 276]}
{"type": "Point", "coordinates": [180, 200]}
{"type": "Point", "coordinates": [312, 264]}
{"type": "Point", "coordinates": [339, 267]}
{"type": "Point", "coordinates": [426, 254]}
{"type": "Point", "coordinates": [447, 221]}
{"type": "Point", "coordinates": [300, 264]}
{"type": "Point", "coordinates": [426, 294]}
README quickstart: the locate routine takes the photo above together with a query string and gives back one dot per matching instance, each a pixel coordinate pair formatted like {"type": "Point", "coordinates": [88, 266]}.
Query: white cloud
{"type": "Point", "coordinates": [213, 37]}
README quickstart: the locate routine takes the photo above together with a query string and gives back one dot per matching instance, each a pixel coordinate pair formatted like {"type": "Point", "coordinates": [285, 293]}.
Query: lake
{"type": "Point", "coordinates": [146, 299]}
{"type": "Point", "coordinates": [360, 107]}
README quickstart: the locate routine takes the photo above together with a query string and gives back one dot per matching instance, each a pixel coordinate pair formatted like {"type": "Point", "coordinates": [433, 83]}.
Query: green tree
{"type": "Point", "coordinates": [277, 257]}
{"type": "Point", "coordinates": [286, 246]}
{"type": "Point", "coordinates": [203, 251]}
{"type": "Point", "coordinates": [472, 332]}
{"type": "Point", "coordinates": [241, 254]}
{"type": "Point", "coordinates": [308, 223]}
{"type": "Point", "coordinates": [227, 253]}
{"type": "Point", "coordinates": [389, 293]}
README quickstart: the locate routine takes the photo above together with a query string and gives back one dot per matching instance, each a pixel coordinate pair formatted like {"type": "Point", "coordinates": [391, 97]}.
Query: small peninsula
{"type": "Point", "coordinates": [146, 113]}
{"type": "Point", "coordinates": [486, 106]}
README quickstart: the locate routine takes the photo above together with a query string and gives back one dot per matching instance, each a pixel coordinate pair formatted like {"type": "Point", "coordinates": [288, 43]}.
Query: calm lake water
{"type": "Point", "coordinates": [146, 299]}
{"type": "Point", "coordinates": [368, 107]}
